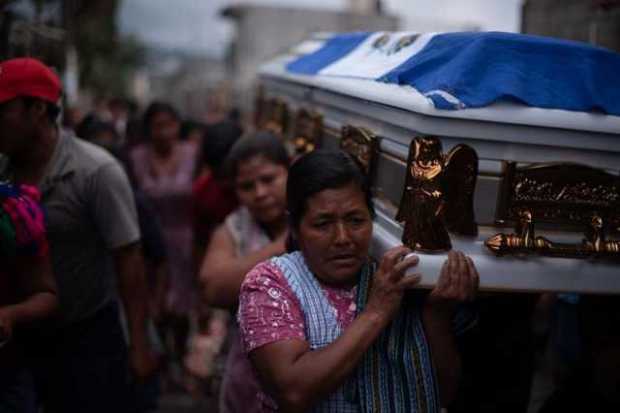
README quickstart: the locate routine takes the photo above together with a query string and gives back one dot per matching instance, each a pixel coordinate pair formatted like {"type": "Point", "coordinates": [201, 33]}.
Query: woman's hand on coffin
{"type": "Point", "coordinates": [458, 283]}
{"type": "Point", "coordinates": [390, 283]}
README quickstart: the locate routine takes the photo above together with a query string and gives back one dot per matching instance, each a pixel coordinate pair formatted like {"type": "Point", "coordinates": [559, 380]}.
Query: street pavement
{"type": "Point", "coordinates": [183, 403]}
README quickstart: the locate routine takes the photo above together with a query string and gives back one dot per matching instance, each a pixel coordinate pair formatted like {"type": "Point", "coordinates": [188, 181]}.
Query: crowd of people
{"type": "Point", "coordinates": [146, 254]}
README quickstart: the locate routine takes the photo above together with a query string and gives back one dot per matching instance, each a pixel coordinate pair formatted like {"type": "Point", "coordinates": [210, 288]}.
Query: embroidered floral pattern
{"type": "Point", "coordinates": [269, 310]}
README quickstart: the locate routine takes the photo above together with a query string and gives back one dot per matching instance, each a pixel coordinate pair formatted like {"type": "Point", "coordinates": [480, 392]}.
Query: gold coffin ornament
{"type": "Point", "coordinates": [438, 195]}
{"type": "Point", "coordinates": [308, 131]}
{"type": "Point", "coordinates": [568, 196]}
{"type": "Point", "coordinates": [272, 115]}
{"type": "Point", "coordinates": [361, 144]}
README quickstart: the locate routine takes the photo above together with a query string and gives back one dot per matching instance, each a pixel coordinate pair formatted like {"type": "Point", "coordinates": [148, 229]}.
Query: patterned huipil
{"type": "Point", "coordinates": [281, 299]}
{"type": "Point", "coordinates": [322, 326]}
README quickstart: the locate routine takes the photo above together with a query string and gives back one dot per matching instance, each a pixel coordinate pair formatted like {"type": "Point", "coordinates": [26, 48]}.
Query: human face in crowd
{"type": "Point", "coordinates": [261, 186]}
{"type": "Point", "coordinates": [18, 125]}
{"type": "Point", "coordinates": [164, 128]}
{"type": "Point", "coordinates": [334, 234]}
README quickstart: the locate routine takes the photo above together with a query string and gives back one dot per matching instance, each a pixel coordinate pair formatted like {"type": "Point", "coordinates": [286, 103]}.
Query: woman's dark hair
{"type": "Point", "coordinates": [320, 170]}
{"type": "Point", "coordinates": [152, 110]}
{"type": "Point", "coordinates": [217, 141]}
{"type": "Point", "coordinates": [90, 126]}
{"type": "Point", "coordinates": [88, 130]}
{"type": "Point", "coordinates": [261, 143]}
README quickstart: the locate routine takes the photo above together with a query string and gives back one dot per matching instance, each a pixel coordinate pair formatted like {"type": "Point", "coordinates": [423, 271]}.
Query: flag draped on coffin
{"type": "Point", "coordinates": [470, 70]}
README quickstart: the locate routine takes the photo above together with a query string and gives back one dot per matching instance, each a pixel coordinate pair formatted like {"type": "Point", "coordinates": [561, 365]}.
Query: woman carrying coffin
{"type": "Point", "coordinates": [327, 329]}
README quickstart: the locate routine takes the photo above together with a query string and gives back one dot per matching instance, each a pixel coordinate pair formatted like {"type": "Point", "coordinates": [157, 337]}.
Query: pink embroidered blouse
{"type": "Point", "coordinates": [269, 310]}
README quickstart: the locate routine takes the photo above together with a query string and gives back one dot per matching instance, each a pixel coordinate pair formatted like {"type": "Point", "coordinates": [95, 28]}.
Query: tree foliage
{"type": "Point", "coordinates": [106, 60]}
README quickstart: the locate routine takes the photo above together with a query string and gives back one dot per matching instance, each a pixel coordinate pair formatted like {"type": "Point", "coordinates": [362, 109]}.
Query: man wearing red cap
{"type": "Point", "coordinates": [80, 359]}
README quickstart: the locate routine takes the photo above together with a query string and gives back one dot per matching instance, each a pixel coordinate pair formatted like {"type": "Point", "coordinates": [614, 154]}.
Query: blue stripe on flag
{"type": "Point", "coordinates": [334, 49]}
{"type": "Point", "coordinates": [481, 68]}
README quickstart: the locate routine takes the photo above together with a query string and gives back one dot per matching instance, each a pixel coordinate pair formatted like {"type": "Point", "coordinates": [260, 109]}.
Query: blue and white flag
{"type": "Point", "coordinates": [471, 70]}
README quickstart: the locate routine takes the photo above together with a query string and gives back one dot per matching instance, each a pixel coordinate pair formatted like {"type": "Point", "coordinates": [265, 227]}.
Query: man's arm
{"type": "Point", "coordinates": [133, 292]}
{"type": "Point", "coordinates": [113, 207]}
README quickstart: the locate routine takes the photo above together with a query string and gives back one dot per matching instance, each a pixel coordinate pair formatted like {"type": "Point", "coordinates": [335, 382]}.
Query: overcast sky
{"type": "Point", "coordinates": [195, 25]}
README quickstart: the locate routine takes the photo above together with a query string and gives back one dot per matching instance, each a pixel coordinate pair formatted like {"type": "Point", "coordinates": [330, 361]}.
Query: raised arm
{"type": "Point", "coordinates": [222, 272]}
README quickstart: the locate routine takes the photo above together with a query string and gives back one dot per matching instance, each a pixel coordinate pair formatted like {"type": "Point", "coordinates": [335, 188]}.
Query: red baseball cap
{"type": "Point", "coordinates": [26, 76]}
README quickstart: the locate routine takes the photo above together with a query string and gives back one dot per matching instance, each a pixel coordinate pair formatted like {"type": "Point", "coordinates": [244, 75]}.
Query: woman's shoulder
{"type": "Point", "coordinates": [293, 259]}
{"type": "Point", "coordinates": [293, 265]}
{"type": "Point", "coordinates": [264, 275]}
{"type": "Point", "coordinates": [235, 221]}
{"type": "Point", "coordinates": [239, 213]}
{"type": "Point", "coordinates": [275, 268]}
{"type": "Point", "coordinates": [268, 308]}
{"type": "Point", "coordinates": [241, 223]}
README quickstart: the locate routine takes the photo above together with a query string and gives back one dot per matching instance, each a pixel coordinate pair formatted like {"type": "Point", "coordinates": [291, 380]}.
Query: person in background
{"type": "Point", "coordinates": [163, 168]}
{"type": "Point", "coordinates": [28, 291]}
{"type": "Point", "coordinates": [213, 193]}
{"type": "Point", "coordinates": [213, 199]}
{"type": "Point", "coordinates": [134, 135]}
{"type": "Point", "coordinates": [255, 231]}
{"type": "Point", "coordinates": [80, 360]}
{"type": "Point", "coordinates": [71, 118]}
{"type": "Point", "coordinates": [329, 330]}
{"type": "Point", "coordinates": [100, 133]}
{"type": "Point", "coordinates": [120, 113]}
{"type": "Point", "coordinates": [146, 394]}
{"type": "Point", "coordinates": [192, 131]}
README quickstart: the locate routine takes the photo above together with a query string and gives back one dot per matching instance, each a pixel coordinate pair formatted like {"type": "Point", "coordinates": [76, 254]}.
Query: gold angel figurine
{"type": "Point", "coordinates": [438, 195]}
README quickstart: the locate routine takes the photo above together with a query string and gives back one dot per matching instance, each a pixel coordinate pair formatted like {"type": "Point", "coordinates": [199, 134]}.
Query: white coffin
{"type": "Point", "coordinates": [501, 132]}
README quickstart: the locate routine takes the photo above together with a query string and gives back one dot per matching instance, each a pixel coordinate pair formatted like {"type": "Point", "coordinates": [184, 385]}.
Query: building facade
{"type": "Point", "coordinates": [592, 21]}
{"type": "Point", "coordinates": [263, 32]}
